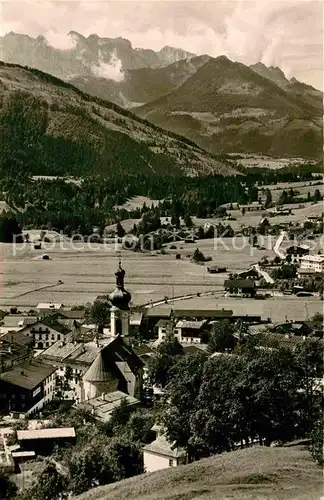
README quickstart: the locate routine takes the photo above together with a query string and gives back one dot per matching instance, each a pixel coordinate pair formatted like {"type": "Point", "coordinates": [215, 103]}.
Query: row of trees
{"type": "Point", "coordinates": [213, 404]}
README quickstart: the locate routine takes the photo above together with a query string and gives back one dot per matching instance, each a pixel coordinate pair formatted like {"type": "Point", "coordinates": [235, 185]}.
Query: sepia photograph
{"type": "Point", "coordinates": [161, 250]}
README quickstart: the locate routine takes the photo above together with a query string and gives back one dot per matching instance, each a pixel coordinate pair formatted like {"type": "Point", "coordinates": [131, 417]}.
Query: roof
{"type": "Point", "coordinates": [313, 258]}
{"type": "Point", "coordinates": [28, 374]}
{"type": "Point", "coordinates": [297, 249]}
{"type": "Point", "coordinates": [239, 283]}
{"type": "Point", "coordinates": [72, 313]}
{"type": "Point", "coordinates": [17, 338]}
{"type": "Point", "coordinates": [194, 325]}
{"type": "Point", "coordinates": [105, 404]}
{"type": "Point", "coordinates": [49, 305]}
{"type": "Point", "coordinates": [51, 433]}
{"type": "Point", "coordinates": [158, 312]}
{"type": "Point", "coordinates": [162, 447]}
{"type": "Point", "coordinates": [56, 325]}
{"type": "Point", "coordinates": [103, 368]}
{"type": "Point", "coordinates": [290, 341]}
{"type": "Point", "coordinates": [202, 313]}
{"type": "Point", "coordinates": [162, 323]}
{"type": "Point", "coordinates": [18, 320]}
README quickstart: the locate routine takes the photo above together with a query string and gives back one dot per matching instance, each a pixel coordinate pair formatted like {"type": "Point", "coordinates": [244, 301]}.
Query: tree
{"type": "Point", "coordinates": [316, 446]}
{"type": "Point", "coordinates": [188, 221]}
{"type": "Point", "coordinates": [89, 466]}
{"type": "Point", "coordinates": [8, 488]}
{"type": "Point", "coordinates": [49, 484]}
{"type": "Point", "coordinates": [222, 337]}
{"type": "Point", "coordinates": [179, 402]}
{"type": "Point", "coordinates": [317, 195]}
{"type": "Point", "coordinates": [120, 230]}
{"type": "Point", "coordinates": [175, 220]}
{"type": "Point", "coordinates": [98, 313]}
{"type": "Point", "coordinates": [10, 230]}
{"type": "Point", "coordinates": [268, 198]}
{"type": "Point", "coordinates": [318, 317]}
{"type": "Point", "coordinates": [125, 459]}
{"type": "Point", "coordinates": [163, 361]}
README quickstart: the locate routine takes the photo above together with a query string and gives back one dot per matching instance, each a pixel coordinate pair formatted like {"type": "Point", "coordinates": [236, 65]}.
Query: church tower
{"type": "Point", "coordinates": [119, 313]}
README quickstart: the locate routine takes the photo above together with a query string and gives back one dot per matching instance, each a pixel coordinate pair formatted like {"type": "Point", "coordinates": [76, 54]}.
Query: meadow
{"type": "Point", "coordinates": [27, 279]}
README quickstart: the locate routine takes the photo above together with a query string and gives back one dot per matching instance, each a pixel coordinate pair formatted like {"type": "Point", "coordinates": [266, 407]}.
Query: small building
{"type": "Point", "coordinates": [43, 441]}
{"type": "Point", "coordinates": [313, 263]}
{"type": "Point", "coordinates": [190, 332]}
{"type": "Point", "coordinates": [160, 454]}
{"type": "Point", "coordinates": [216, 269]}
{"type": "Point", "coordinates": [253, 207]}
{"type": "Point", "coordinates": [48, 307]}
{"type": "Point", "coordinates": [27, 387]}
{"type": "Point", "coordinates": [163, 327]}
{"type": "Point", "coordinates": [12, 353]}
{"type": "Point", "coordinates": [240, 287]}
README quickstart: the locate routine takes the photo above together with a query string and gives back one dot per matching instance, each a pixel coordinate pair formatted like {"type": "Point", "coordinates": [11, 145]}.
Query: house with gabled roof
{"type": "Point", "coordinates": [47, 331]}
{"type": "Point", "coordinates": [27, 387]}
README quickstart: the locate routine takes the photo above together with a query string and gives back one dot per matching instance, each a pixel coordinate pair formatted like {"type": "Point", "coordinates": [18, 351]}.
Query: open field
{"type": "Point", "coordinates": [26, 279]}
{"type": "Point", "coordinates": [257, 473]}
{"type": "Point", "coordinates": [263, 161]}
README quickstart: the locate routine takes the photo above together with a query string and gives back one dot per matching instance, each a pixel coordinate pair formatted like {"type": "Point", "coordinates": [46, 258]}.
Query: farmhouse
{"type": "Point", "coordinates": [27, 387]}
{"type": "Point", "coordinates": [47, 331]}
{"type": "Point", "coordinates": [240, 287]}
{"type": "Point", "coordinates": [295, 252]}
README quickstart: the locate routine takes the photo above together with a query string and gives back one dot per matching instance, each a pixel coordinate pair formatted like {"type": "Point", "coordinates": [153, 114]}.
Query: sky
{"type": "Point", "coordinates": [284, 33]}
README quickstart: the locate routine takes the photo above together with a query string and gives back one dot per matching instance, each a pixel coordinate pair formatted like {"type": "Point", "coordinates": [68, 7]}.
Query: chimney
{"type": "Point", "coordinates": [103, 396]}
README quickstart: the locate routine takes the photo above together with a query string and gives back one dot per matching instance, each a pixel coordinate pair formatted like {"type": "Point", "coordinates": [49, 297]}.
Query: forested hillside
{"type": "Point", "coordinates": [49, 127]}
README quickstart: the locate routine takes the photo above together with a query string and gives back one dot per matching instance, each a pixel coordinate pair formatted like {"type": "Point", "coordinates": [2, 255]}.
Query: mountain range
{"type": "Point", "coordinates": [221, 105]}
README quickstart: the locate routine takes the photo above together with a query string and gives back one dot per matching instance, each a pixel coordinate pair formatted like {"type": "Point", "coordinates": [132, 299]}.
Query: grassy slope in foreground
{"type": "Point", "coordinates": [107, 131]}
{"type": "Point", "coordinates": [258, 473]}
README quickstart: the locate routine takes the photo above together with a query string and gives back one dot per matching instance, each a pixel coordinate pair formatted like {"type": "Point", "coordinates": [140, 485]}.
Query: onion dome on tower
{"type": "Point", "coordinates": [120, 297]}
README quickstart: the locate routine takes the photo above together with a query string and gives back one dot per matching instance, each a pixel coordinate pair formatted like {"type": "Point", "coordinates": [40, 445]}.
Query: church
{"type": "Point", "coordinates": [106, 364]}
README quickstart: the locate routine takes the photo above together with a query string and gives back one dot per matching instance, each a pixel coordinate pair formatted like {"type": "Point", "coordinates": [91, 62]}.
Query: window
{"type": "Point", "coordinates": [58, 336]}
{"type": "Point", "coordinates": [170, 462]}
{"type": "Point", "coordinates": [53, 336]}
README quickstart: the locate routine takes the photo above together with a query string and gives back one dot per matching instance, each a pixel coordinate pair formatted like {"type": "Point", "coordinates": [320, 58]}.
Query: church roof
{"type": "Point", "coordinates": [101, 370]}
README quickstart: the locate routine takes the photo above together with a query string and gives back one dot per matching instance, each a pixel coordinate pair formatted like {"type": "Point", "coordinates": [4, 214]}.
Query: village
{"type": "Point", "coordinates": [96, 358]}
